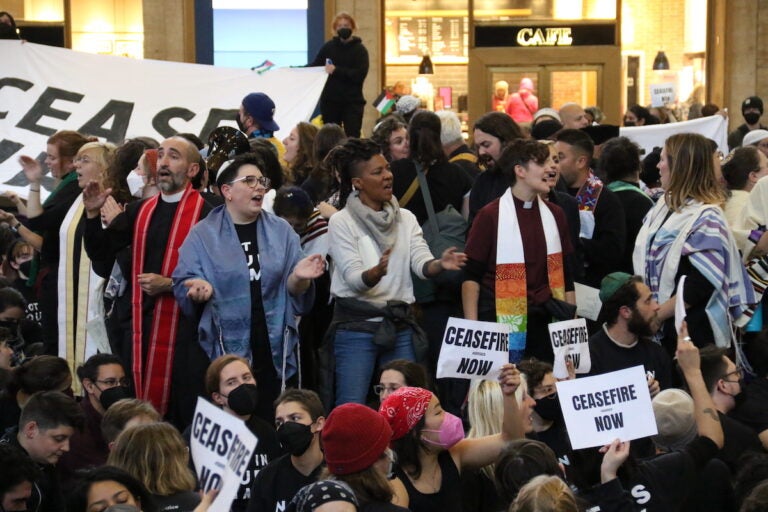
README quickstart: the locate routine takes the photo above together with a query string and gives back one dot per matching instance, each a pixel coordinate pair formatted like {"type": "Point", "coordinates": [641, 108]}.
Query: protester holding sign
{"type": "Point", "coordinates": [631, 316]}
{"type": "Point", "coordinates": [663, 482]}
{"type": "Point", "coordinates": [232, 386]}
{"type": "Point", "coordinates": [375, 245]}
{"type": "Point", "coordinates": [430, 446]}
{"type": "Point", "coordinates": [516, 252]}
{"type": "Point", "coordinates": [687, 234]}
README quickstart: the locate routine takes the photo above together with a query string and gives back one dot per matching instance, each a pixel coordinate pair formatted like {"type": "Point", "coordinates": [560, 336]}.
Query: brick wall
{"type": "Point", "coordinates": [454, 76]}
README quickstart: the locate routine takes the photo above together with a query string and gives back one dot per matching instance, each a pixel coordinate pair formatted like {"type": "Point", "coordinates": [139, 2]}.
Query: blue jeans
{"type": "Point", "coordinates": [357, 357]}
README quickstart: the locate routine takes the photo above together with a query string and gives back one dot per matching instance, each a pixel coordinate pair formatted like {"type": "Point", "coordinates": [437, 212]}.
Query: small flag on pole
{"type": "Point", "coordinates": [384, 103]}
{"type": "Point", "coordinates": [263, 67]}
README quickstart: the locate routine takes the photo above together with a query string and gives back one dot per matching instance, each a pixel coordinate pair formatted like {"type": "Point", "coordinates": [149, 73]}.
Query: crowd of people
{"type": "Point", "coordinates": [303, 287]}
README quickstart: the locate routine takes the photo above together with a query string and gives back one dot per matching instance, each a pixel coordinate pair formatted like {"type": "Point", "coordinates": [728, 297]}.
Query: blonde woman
{"type": "Point", "coordinates": [485, 410]}
{"type": "Point", "coordinates": [155, 454]}
{"type": "Point", "coordinates": [686, 234]}
{"type": "Point", "coordinates": [545, 494]}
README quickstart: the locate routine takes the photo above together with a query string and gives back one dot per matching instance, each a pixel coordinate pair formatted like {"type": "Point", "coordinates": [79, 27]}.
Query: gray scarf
{"type": "Point", "coordinates": [381, 226]}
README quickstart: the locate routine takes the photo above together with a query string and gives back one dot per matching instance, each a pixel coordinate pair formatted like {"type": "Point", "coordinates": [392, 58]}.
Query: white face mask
{"type": "Point", "coordinates": [135, 183]}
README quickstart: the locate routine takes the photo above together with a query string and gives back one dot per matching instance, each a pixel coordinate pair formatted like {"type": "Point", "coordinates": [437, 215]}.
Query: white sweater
{"type": "Point", "coordinates": [351, 256]}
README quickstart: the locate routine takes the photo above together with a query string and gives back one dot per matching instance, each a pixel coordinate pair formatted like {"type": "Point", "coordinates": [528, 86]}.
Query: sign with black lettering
{"type": "Point", "coordinates": [473, 350]}
{"type": "Point", "coordinates": [222, 446]}
{"type": "Point", "coordinates": [42, 91]}
{"type": "Point", "coordinates": [662, 94]}
{"type": "Point", "coordinates": [570, 342]}
{"type": "Point", "coordinates": [605, 407]}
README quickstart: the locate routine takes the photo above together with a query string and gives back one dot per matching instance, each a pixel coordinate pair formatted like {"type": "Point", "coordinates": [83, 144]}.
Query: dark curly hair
{"type": "Point", "coordinates": [345, 159]}
{"type": "Point", "coordinates": [521, 152]}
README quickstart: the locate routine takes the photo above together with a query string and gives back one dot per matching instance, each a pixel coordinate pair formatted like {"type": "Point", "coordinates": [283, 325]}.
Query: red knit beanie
{"type": "Point", "coordinates": [354, 437]}
{"type": "Point", "coordinates": [404, 408]}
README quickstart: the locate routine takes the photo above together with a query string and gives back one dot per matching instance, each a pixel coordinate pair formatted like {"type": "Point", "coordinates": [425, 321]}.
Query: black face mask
{"type": "Point", "coordinates": [240, 125]}
{"type": "Point", "coordinates": [26, 267]}
{"type": "Point", "coordinates": [295, 438]}
{"type": "Point", "coordinates": [752, 117]}
{"type": "Point", "coordinates": [549, 408]}
{"type": "Point", "coordinates": [243, 399]}
{"type": "Point", "coordinates": [112, 395]}
{"type": "Point", "coordinates": [11, 325]}
{"type": "Point", "coordinates": [344, 33]}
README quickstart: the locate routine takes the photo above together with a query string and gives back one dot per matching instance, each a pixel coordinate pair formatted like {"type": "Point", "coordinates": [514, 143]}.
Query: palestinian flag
{"type": "Point", "coordinates": [385, 102]}
{"type": "Point", "coordinates": [263, 67]}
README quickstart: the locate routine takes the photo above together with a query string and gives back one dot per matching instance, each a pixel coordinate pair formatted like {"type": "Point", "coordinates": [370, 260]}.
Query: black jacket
{"type": "Point", "coordinates": [345, 84]}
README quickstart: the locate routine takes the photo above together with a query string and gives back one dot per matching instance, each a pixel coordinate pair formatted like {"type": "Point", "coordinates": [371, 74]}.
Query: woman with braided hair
{"type": "Point", "coordinates": [375, 245]}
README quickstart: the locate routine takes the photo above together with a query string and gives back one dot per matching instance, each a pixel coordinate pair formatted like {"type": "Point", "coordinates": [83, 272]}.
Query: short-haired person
{"type": "Point", "coordinates": [299, 417]}
{"type": "Point", "coordinates": [355, 438]}
{"type": "Point", "coordinates": [18, 474]}
{"type": "Point", "coordinates": [399, 373]}
{"type": "Point", "coordinates": [490, 134]}
{"type": "Point", "coordinates": [752, 111]}
{"type": "Point", "coordinates": [346, 62]}
{"type": "Point", "coordinates": [39, 373]}
{"type": "Point", "coordinates": [391, 134]}
{"type": "Point", "coordinates": [104, 382]}
{"type": "Point", "coordinates": [454, 146]}
{"type": "Point", "coordinates": [619, 162]}
{"type": "Point", "coordinates": [230, 384]}
{"type": "Point", "coordinates": [47, 422]}
{"type": "Point", "coordinates": [572, 116]}
{"type": "Point", "coordinates": [517, 252]}
{"type": "Point", "coordinates": [630, 316]}
{"type": "Point", "coordinates": [124, 414]}
{"type": "Point", "coordinates": [725, 384]}
{"type": "Point", "coordinates": [247, 304]}
{"type": "Point", "coordinates": [256, 119]}
{"type": "Point", "coordinates": [603, 226]}
{"type": "Point", "coordinates": [375, 246]}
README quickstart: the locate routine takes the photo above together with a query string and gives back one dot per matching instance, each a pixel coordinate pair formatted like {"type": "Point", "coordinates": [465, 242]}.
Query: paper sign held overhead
{"type": "Point", "coordinates": [222, 446]}
{"type": "Point", "coordinates": [605, 407]}
{"type": "Point", "coordinates": [570, 341]}
{"type": "Point", "coordinates": [679, 305]}
{"type": "Point", "coordinates": [661, 94]}
{"type": "Point", "coordinates": [473, 350]}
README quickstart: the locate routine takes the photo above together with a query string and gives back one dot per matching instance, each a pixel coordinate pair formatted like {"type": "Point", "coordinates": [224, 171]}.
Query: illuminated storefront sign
{"type": "Point", "coordinates": [590, 34]}
{"type": "Point", "coordinates": [544, 37]}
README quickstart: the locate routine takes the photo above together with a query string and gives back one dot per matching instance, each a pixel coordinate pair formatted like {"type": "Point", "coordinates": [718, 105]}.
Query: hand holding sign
{"type": "Point", "coordinates": [616, 454]}
{"type": "Point", "coordinates": [509, 379]}
{"type": "Point", "coordinates": [687, 354]}
{"type": "Point", "coordinates": [473, 350]}
{"type": "Point", "coordinates": [570, 344]}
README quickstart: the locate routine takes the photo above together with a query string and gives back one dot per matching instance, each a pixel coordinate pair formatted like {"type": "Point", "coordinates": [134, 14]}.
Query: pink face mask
{"type": "Point", "coordinates": [451, 432]}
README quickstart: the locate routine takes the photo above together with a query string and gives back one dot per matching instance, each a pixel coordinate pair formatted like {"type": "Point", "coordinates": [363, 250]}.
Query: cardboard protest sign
{"type": "Point", "coordinates": [222, 446]}
{"type": "Point", "coordinates": [473, 350]}
{"type": "Point", "coordinates": [613, 405]}
{"type": "Point", "coordinates": [570, 340]}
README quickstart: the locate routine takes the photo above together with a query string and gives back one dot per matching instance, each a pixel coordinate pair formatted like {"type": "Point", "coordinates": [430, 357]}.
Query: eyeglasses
{"type": "Point", "coordinates": [738, 372]}
{"type": "Point", "coordinates": [112, 383]}
{"type": "Point", "coordinates": [381, 388]}
{"type": "Point", "coordinates": [253, 181]}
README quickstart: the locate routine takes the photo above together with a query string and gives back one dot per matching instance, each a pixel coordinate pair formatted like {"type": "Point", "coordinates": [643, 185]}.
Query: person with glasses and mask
{"type": "Point", "coordinates": [725, 383]}
{"type": "Point", "coordinates": [299, 418]}
{"type": "Point", "coordinates": [104, 382]}
{"type": "Point", "coordinates": [230, 384]}
{"type": "Point", "coordinates": [247, 298]}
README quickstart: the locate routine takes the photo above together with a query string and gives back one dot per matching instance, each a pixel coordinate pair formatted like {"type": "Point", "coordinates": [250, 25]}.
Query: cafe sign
{"type": "Point", "coordinates": [549, 35]}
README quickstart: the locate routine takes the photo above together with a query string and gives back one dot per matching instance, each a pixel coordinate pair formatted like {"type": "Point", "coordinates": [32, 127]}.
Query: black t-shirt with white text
{"type": "Point", "coordinates": [262, 354]}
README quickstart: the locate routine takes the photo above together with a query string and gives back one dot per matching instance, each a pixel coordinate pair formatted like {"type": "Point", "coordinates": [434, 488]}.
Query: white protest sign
{"type": "Point", "coordinates": [570, 340]}
{"type": "Point", "coordinates": [222, 446]}
{"type": "Point", "coordinates": [473, 350]}
{"type": "Point", "coordinates": [648, 137]}
{"type": "Point", "coordinates": [588, 302]}
{"type": "Point", "coordinates": [661, 94]}
{"type": "Point", "coordinates": [679, 305]}
{"type": "Point", "coordinates": [605, 407]}
{"type": "Point", "coordinates": [42, 90]}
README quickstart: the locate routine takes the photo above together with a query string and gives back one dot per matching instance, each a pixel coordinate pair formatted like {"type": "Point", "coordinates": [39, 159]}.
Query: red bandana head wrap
{"type": "Point", "coordinates": [404, 408]}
